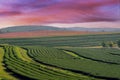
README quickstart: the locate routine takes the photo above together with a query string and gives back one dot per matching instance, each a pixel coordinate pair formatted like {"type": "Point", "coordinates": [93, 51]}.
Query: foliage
{"type": "Point", "coordinates": [104, 44]}
{"type": "Point", "coordinates": [118, 43]}
{"type": "Point", "coordinates": [111, 44]}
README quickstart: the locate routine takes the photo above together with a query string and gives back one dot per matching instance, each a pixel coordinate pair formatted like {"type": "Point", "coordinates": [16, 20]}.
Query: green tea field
{"type": "Point", "coordinates": [60, 58]}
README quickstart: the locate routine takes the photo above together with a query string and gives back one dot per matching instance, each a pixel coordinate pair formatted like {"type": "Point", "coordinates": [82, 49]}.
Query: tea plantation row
{"type": "Point", "coordinates": [104, 65]}
{"type": "Point", "coordinates": [31, 70]}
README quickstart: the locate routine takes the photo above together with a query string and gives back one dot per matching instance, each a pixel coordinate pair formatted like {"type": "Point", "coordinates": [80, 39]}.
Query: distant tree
{"type": "Point", "coordinates": [1, 31]}
{"type": "Point", "coordinates": [110, 44]}
{"type": "Point", "coordinates": [118, 43]}
{"type": "Point", "coordinates": [104, 44]}
{"type": "Point", "coordinates": [7, 31]}
{"type": "Point", "coordinates": [103, 31]}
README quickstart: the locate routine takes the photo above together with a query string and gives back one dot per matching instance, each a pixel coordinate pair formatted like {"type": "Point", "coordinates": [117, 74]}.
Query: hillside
{"type": "Point", "coordinates": [94, 29]}
{"type": "Point", "coordinates": [38, 28]}
{"type": "Point", "coordinates": [28, 28]}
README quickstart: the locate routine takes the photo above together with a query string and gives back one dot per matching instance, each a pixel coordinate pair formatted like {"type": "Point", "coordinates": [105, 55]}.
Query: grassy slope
{"type": "Point", "coordinates": [3, 73]}
{"type": "Point", "coordinates": [21, 53]}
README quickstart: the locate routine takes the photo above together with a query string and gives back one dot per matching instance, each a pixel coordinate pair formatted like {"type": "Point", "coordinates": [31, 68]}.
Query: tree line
{"type": "Point", "coordinates": [111, 44]}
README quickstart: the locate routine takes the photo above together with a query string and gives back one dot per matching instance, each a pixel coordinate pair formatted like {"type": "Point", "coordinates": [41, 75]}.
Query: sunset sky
{"type": "Point", "coordinates": [60, 13]}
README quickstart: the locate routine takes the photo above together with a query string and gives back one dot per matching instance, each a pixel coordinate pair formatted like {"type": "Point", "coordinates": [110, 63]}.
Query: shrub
{"type": "Point", "coordinates": [104, 44]}
{"type": "Point", "coordinates": [118, 43]}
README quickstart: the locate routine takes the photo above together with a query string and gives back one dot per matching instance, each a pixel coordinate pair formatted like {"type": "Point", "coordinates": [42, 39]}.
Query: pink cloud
{"type": "Point", "coordinates": [59, 11]}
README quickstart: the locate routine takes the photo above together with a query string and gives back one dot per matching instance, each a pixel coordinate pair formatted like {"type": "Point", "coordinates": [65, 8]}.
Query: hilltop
{"type": "Point", "coordinates": [28, 28]}
{"type": "Point", "coordinates": [51, 28]}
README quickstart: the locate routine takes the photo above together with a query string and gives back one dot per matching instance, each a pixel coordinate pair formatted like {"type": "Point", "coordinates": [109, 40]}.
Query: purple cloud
{"type": "Point", "coordinates": [52, 11]}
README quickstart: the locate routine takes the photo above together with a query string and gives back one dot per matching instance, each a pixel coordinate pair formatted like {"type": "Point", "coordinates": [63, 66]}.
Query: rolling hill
{"type": "Point", "coordinates": [41, 31]}
{"type": "Point", "coordinates": [94, 29]}
{"type": "Point", "coordinates": [28, 28]}
{"type": "Point", "coordinates": [38, 28]}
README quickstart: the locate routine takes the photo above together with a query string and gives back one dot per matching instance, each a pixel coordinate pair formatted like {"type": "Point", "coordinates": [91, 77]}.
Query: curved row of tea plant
{"type": "Point", "coordinates": [106, 55]}
{"type": "Point", "coordinates": [4, 75]}
{"type": "Point", "coordinates": [32, 70]}
{"type": "Point", "coordinates": [63, 60]}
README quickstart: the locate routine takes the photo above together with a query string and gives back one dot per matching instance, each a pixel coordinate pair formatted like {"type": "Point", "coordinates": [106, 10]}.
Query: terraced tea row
{"type": "Point", "coordinates": [45, 63]}
{"type": "Point", "coordinates": [78, 64]}
{"type": "Point", "coordinates": [36, 71]}
{"type": "Point", "coordinates": [105, 55]}
{"type": "Point", "coordinates": [4, 75]}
